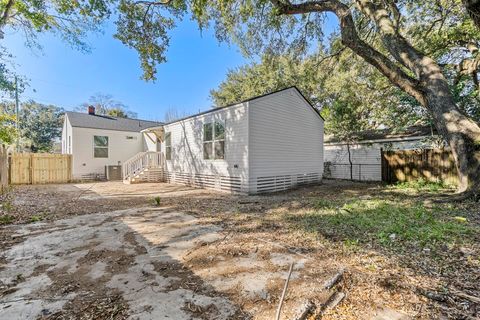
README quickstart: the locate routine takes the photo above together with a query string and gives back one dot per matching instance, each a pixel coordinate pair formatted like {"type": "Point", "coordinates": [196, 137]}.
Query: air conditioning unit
{"type": "Point", "coordinates": [113, 173]}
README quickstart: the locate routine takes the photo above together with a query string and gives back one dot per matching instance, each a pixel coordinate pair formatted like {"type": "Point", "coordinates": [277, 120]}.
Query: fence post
{"type": "Point", "coordinates": [3, 168]}
{"type": "Point", "coordinates": [383, 165]}
{"type": "Point", "coordinates": [31, 165]}
{"type": "Point", "coordinates": [70, 167]}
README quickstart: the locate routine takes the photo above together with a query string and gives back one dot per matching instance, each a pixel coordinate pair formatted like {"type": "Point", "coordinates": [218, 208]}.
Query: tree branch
{"type": "Point", "coordinates": [5, 15]}
{"type": "Point", "coordinates": [351, 39]}
{"type": "Point", "coordinates": [425, 68]}
{"type": "Point", "coordinates": [153, 3]}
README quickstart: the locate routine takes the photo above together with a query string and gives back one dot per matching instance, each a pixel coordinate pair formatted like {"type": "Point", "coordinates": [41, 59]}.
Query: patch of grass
{"type": "Point", "coordinates": [157, 201]}
{"type": "Point", "coordinates": [422, 185]}
{"type": "Point", "coordinates": [6, 206]}
{"type": "Point", "coordinates": [36, 218]}
{"type": "Point", "coordinates": [6, 219]}
{"type": "Point", "coordinates": [324, 204]}
{"type": "Point", "coordinates": [385, 222]}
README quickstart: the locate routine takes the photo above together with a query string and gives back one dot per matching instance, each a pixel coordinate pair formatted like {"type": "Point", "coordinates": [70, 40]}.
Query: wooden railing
{"type": "Point", "coordinates": [140, 162]}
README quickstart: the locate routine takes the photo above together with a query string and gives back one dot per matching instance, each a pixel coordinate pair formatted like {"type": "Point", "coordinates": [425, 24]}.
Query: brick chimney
{"type": "Point", "coordinates": [91, 110]}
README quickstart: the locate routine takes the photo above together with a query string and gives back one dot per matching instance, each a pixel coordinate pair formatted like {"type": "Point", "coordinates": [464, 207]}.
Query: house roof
{"type": "Point", "coordinates": [85, 120]}
{"type": "Point", "coordinates": [387, 134]}
{"type": "Point", "coordinates": [248, 100]}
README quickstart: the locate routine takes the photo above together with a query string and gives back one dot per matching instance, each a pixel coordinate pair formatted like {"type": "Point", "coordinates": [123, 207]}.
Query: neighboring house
{"type": "Point", "coordinates": [96, 141]}
{"type": "Point", "coordinates": [267, 143]}
{"type": "Point", "coordinates": [365, 152]}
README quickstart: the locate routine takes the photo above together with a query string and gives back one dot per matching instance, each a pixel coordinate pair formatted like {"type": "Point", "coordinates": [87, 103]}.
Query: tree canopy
{"type": "Point", "coordinates": [256, 26]}
{"type": "Point", "coordinates": [330, 82]}
{"type": "Point", "coordinates": [7, 128]}
{"type": "Point", "coordinates": [39, 125]}
{"type": "Point", "coordinates": [105, 104]}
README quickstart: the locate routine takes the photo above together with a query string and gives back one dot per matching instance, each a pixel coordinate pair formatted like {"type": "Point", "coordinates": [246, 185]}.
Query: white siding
{"type": "Point", "coordinates": [120, 149]}
{"type": "Point", "coordinates": [66, 136]}
{"type": "Point", "coordinates": [187, 164]}
{"type": "Point", "coordinates": [366, 162]}
{"type": "Point", "coordinates": [285, 142]}
{"type": "Point", "coordinates": [366, 158]}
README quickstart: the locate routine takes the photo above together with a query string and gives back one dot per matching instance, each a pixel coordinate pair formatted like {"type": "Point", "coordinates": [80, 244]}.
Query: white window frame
{"type": "Point", "coordinates": [168, 146]}
{"type": "Point", "coordinates": [96, 147]}
{"type": "Point", "coordinates": [214, 140]}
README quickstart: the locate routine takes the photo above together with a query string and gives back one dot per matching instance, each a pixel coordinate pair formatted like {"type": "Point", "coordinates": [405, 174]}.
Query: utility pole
{"type": "Point", "coordinates": [17, 119]}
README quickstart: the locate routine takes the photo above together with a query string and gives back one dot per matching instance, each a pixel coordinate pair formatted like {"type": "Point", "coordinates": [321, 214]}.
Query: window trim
{"type": "Point", "coordinates": [96, 147]}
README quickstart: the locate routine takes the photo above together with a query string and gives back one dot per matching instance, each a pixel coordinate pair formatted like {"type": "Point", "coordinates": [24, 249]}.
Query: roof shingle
{"type": "Point", "coordinates": [85, 120]}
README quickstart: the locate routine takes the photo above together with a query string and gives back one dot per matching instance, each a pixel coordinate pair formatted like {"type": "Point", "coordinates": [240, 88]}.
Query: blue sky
{"type": "Point", "coordinates": [65, 77]}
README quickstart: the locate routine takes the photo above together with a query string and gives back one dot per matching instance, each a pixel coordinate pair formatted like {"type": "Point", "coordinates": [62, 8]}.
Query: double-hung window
{"type": "Point", "coordinates": [214, 140]}
{"type": "Point", "coordinates": [168, 146]}
{"type": "Point", "coordinates": [100, 146]}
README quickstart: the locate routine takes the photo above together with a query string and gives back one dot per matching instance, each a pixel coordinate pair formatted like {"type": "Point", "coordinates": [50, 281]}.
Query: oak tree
{"type": "Point", "coordinates": [378, 31]}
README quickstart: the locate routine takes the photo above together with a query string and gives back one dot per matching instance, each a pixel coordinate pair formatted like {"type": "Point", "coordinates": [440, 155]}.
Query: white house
{"type": "Point", "coordinates": [267, 143]}
{"type": "Point", "coordinates": [365, 152]}
{"type": "Point", "coordinates": [96, 141]}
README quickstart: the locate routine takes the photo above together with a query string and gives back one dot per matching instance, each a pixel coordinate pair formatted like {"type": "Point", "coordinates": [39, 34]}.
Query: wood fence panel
{"type": "Point", "coordinates": [3, 168]}
{"type": "Point", "coordinates": [435, 165]}
{"type": "Point", "coordinates": [40, 168]}
{"type": "Point", "coordinates": [20, 168]}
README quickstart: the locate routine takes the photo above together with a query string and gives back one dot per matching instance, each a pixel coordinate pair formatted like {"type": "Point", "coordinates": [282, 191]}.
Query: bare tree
{"type": "Point", "coordinates": [105, 104]}
{"type": "Point", "coordinates": [173, 114]}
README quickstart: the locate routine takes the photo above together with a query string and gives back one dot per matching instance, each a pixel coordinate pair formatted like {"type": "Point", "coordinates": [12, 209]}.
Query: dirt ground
{"type": "Point", "coordinates": [109, 251]}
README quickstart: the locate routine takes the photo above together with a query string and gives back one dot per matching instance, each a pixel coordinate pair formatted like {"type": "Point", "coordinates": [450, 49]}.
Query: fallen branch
{"type": "Point", "coordinates": [332, 301]}
{"type": "Point", "coordinates": [466, 296]}
{"type": "Point", "coordinates": [334, 280]}
{"type": "Point", "coordinates": [279, 310]}
{"type": "Point", "coordinates": [305, 310]}
{"type": "Point", "coordinates": [248, 202]}
{"type": "Point", "coordinates": [433, 295]}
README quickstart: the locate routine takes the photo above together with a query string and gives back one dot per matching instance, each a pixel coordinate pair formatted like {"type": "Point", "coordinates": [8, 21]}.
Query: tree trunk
{"type": "Point", "coordinates": [473, 9]}
{"type": "Point", "coordinates": [433, 92]}
{"type": "Point", "coordinates": [461, 133]}
{"type": "Point", "coordinates": [429, 86]}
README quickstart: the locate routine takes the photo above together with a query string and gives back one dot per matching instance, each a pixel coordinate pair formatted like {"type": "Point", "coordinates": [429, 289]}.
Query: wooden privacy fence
{"type": "Point", "coordinates": [38, 168]}
{"type": "Point", "coordinates": [436, 165]}
{"type": "Point", "coordinates": [3, 168]}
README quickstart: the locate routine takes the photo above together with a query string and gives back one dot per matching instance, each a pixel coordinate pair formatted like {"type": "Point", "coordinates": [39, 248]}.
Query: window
{"type": "Point", "coordinates": [100, 146]}
{"type": "Point", "coordinates": [213, 141]}
{"type": "Point", "coordinates": [168, 146]}
{"type": "Point", "coordinates": [207, 141]}
{"type": "Point", "coordinates": [219, 140]}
